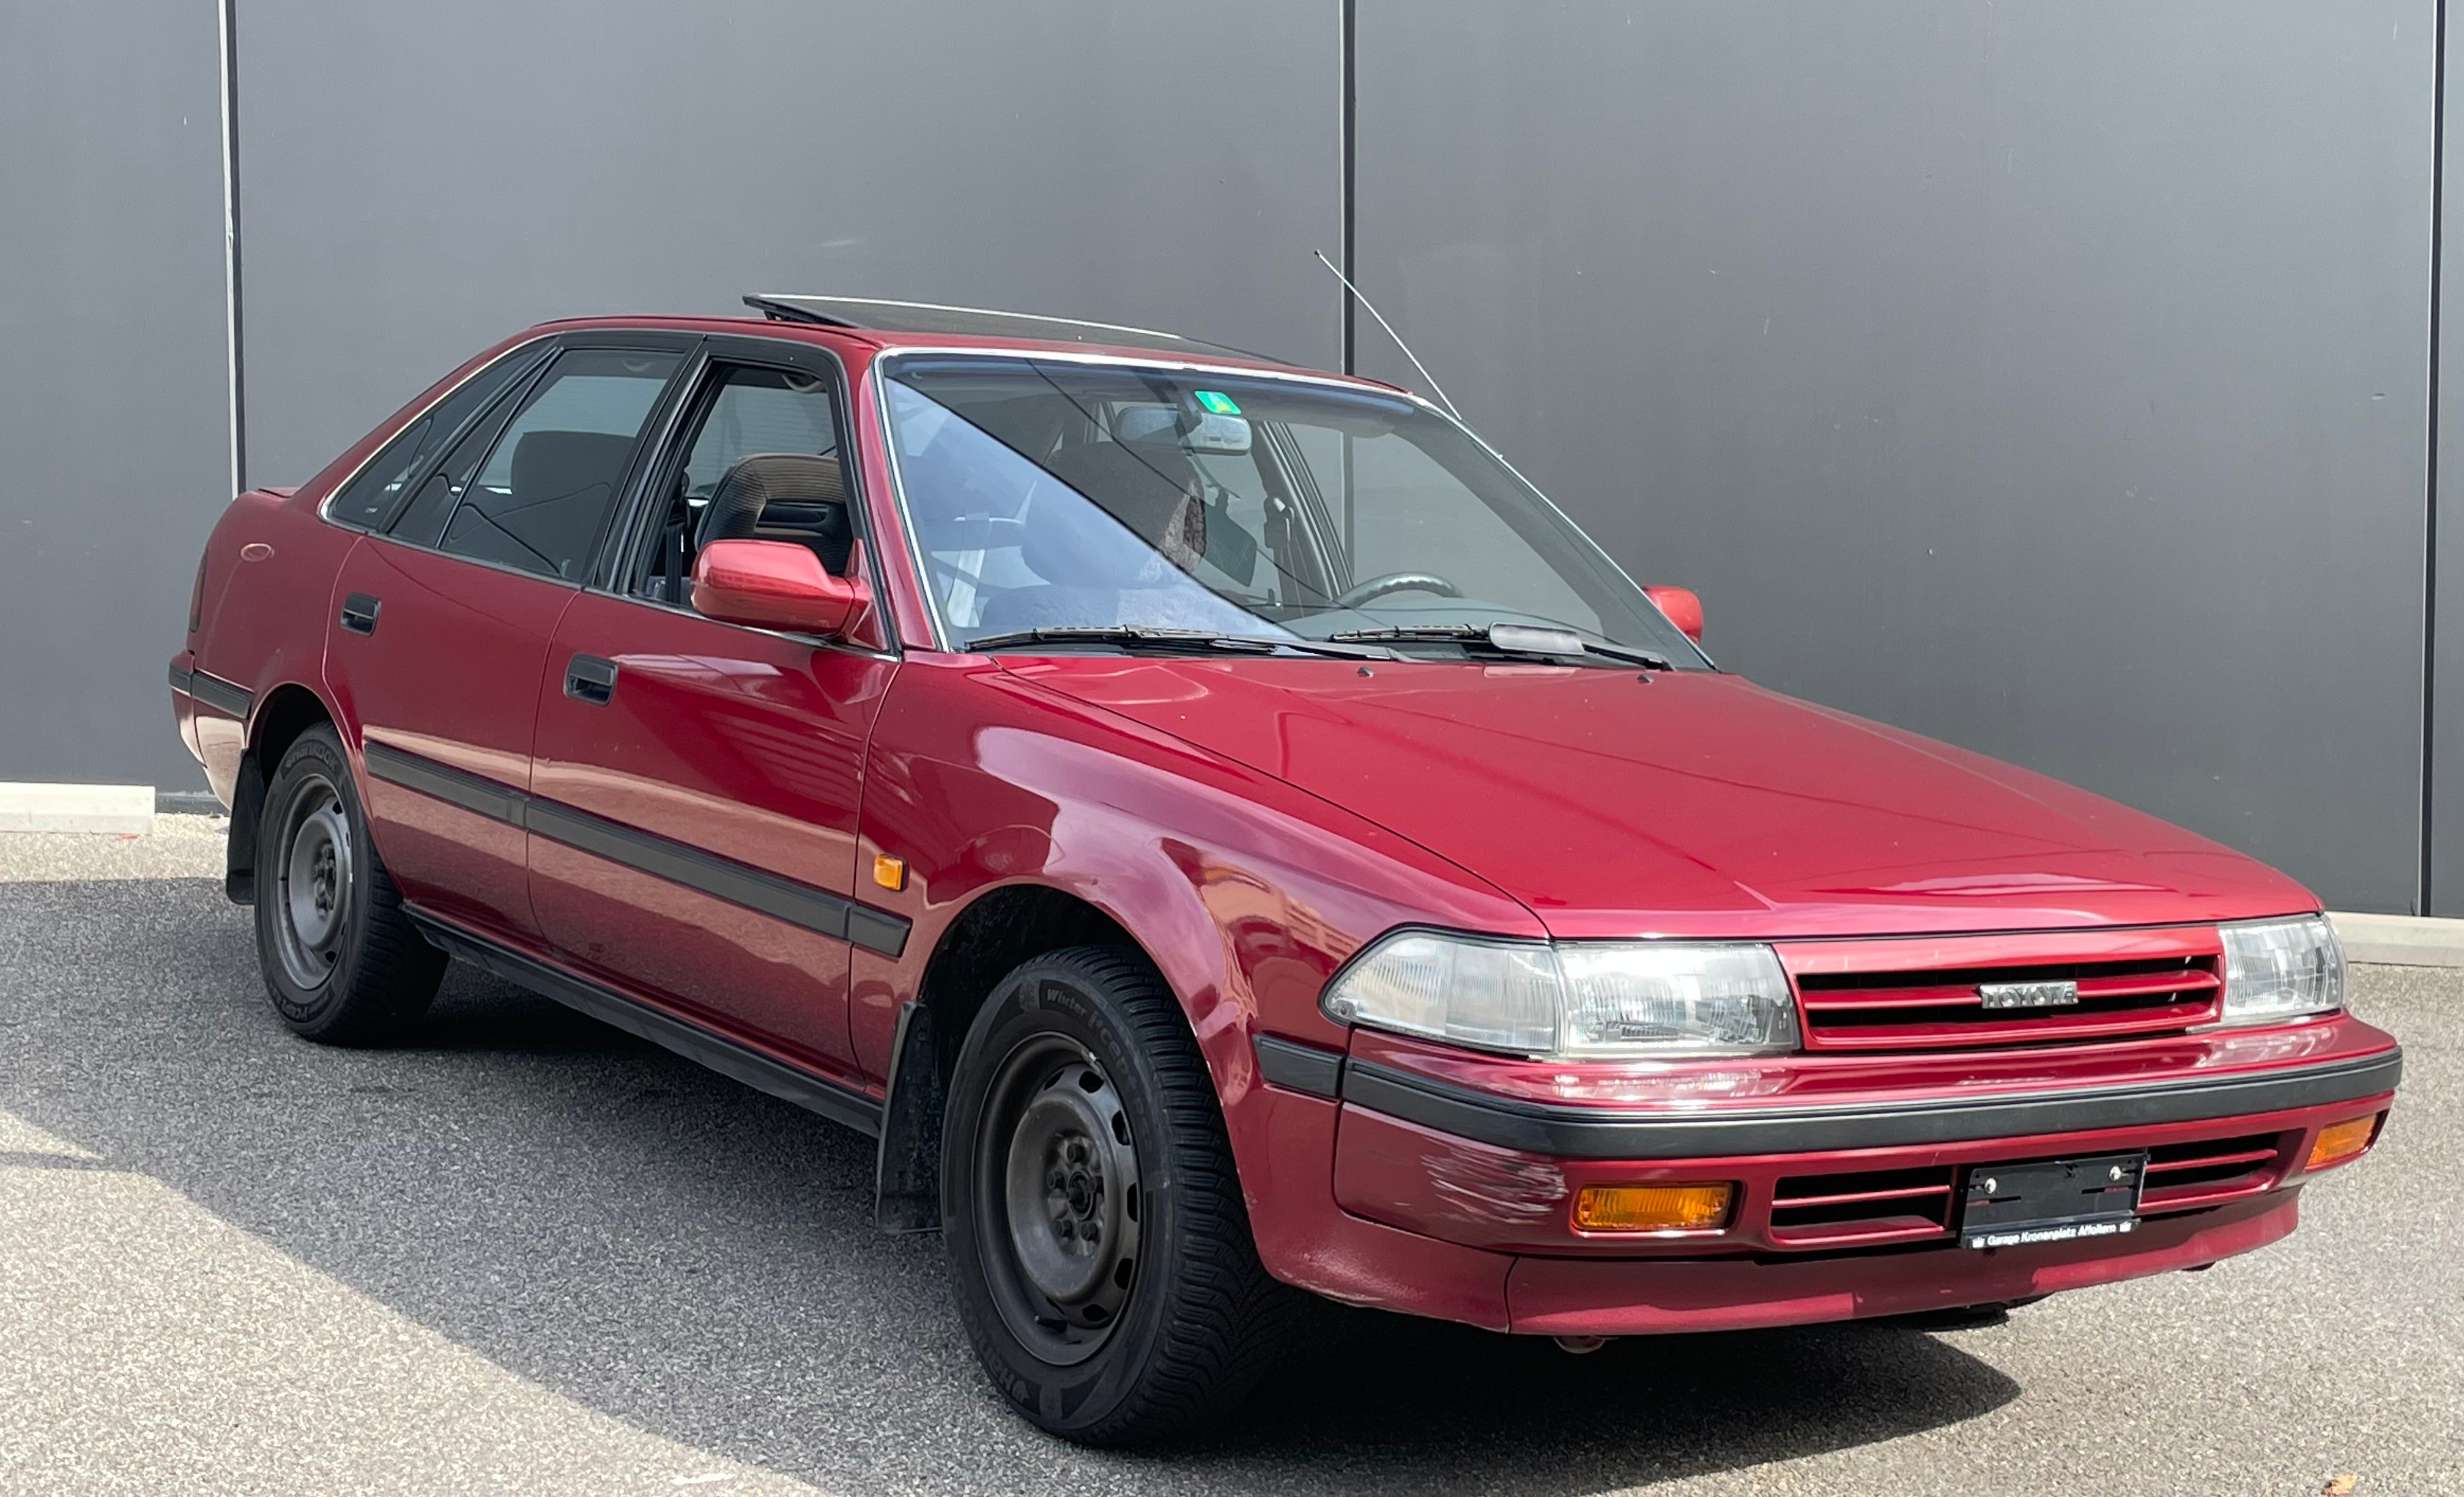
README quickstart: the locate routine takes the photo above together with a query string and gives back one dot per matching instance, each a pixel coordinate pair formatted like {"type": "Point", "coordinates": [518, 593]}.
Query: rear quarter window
{"type": "Point", "coordinates": [376, 491]}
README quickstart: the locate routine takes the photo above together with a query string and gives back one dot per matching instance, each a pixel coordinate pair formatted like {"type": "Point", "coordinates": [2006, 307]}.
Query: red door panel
{"type": "Point", "coordinates": [718, 784]}
{"type": "Point", "coordinates": [450, 675]}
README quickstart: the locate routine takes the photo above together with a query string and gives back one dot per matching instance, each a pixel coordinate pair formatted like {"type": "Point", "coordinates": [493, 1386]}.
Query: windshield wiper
{"type": "Point", "coordinates": [1175, 641]}
{"type": "Point", "coordinates": [1513, 639]}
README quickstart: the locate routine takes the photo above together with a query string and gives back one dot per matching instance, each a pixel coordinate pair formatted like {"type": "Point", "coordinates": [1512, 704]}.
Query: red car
{"type": "Point", "coordinates": [1224, 833]}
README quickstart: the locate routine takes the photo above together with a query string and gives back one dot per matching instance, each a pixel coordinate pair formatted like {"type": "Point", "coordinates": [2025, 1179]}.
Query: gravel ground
{"type": "Point", "coordinates": [533, 1255]}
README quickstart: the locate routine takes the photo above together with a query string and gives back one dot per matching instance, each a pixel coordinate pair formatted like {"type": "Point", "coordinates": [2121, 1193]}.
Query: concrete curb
{"type": "Point", "coordinates": [120, 810]}
{"type": "Point", "coordinates": [2401, 940]}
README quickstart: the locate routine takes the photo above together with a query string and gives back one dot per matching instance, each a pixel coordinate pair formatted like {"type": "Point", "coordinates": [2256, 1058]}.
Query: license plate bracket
{"type": "Point", "coordinates": [2052, 1200]}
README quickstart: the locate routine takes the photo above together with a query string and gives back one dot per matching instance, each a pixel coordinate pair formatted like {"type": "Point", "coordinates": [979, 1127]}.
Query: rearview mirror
{"type": "Point", "coordinates": [1683, 609]}
{"type": "Point", "coordinates": [774, 585]}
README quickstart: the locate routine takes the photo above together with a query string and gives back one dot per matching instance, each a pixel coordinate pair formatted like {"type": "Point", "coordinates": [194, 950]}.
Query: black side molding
{"type": "Point", "coordinates": [490, 798]}
{"type": "Point", "coordinates": [1598, 1134]}
{"type": "Point", "coordinates": [1299, 1067]}
{"type": "Point", "coordinates": [727, 1056]}
{"type": "Point", "coordinates": [877, 930]}
{"type": "Point", "coordinates": [229, 698]}
{"type": "Point", "coordinates": [819, 910]}
{"type": "Point", "coordinates": [737, 883]}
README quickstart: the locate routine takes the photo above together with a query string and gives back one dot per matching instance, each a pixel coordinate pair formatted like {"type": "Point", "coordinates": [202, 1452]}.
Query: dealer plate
{"type": "Point", "coordinates": [2052, 1200]}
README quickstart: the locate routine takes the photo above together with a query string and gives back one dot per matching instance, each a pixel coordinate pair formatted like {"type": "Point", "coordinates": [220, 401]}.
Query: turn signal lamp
{"type": "Point", "coordinates": [891, 872]}
{"type": "Point", "coordinates": [1652, 1209]}
{"type": "Point", "coordinates": [2340, 1141]}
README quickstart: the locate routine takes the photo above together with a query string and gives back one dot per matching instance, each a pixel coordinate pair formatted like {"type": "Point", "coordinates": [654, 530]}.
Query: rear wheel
{"type": "Point", "coordinates": [1097, 1238]}
{"type": "Point", "coordinates": [343, 963]}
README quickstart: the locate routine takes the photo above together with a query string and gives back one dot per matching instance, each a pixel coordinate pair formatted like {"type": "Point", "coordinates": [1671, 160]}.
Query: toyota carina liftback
{"type": "Point", "coordinates": [1225, 833]}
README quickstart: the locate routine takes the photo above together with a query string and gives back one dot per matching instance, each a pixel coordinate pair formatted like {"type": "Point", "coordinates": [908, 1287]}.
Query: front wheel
{"type": "Point", "coordinates": [1097, 1238]}
{"type": "Point", "coordinates": [343, 963]}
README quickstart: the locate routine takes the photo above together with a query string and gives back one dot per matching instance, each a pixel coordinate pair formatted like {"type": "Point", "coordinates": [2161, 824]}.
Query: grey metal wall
{"type": "Point", "coordinates": [113, 401]}
{"type": "Point", "coordinates": [2049, 378]}
{"type": "Point", "coordinates": [419, 180]}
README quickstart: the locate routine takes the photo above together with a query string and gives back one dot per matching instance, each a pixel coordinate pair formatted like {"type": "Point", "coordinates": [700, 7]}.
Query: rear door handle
{"type": "Point", "coordinates": [359, 613]}
{"type": "Point", "coordinates": [589, 679]}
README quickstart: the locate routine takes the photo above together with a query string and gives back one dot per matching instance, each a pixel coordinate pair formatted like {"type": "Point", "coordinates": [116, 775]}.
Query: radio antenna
{"type": "Point", "coordinates": [1426, 378]}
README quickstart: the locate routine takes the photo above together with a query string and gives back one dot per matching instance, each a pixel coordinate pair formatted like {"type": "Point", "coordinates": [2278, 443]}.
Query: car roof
{"type": "Point", "coordinates": [887, 324]}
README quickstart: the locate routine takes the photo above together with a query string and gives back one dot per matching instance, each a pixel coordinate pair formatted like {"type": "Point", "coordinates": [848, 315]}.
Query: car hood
{"type": "Point", "coordinates": [1612, 802]}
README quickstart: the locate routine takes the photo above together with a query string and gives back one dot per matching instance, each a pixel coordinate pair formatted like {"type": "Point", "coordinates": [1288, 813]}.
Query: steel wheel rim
{"type": "Point", "coordinates": [1057, 1182]}
{"type": "Point", "coordinates": [312, 906]}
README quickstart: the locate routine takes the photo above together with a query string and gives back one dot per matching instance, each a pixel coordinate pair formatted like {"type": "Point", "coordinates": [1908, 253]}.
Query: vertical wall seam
{"type": "Point", "coordinates": [2429, 507]}
{"type": "Point", "coordinates": [1349, 16]}
{"type": "Point", "coordinates": [234, 366]}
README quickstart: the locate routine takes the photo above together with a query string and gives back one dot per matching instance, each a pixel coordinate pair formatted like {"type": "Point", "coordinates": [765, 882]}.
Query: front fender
{"type": "Point", "coordinates": [1246, 891]}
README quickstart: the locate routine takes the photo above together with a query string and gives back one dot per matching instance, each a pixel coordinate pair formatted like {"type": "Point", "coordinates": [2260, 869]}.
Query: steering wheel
{"type": "Point", "coordinates": [1397, 583]}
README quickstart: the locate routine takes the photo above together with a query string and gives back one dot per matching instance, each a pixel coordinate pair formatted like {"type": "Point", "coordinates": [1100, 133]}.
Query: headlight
{"type": "Point", "coordinates": [1601, 999]}
{"type": "Point", "coordinates": [2282, 968]}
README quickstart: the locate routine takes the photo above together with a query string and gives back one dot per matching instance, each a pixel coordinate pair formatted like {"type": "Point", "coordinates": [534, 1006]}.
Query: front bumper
{"type": "Point", "coordinates": [1453, 1201]}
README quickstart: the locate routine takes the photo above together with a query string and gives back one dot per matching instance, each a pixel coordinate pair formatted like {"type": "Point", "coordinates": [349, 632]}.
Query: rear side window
{"type": "Point", "coordinates": [539, 499]}
{"type": "Point", "coordinates": [368, 499]}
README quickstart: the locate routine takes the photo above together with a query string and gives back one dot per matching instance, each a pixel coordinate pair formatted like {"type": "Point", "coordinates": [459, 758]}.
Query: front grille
{"type": "Point", "coordinates": [1870, 1209]}
{"type": "Point", "coordinates": [1863, 1208]}
{"type": "Point", "coordinates": [1937, 1008]}
{"type": "Point", "coordinates": [2210, 1169]}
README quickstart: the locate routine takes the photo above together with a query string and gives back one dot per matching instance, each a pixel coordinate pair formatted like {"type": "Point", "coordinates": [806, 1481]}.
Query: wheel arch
{"type": "Point", "coordinates": [997, 930]}
{"type": "Point", "coordinates": [278, 720]}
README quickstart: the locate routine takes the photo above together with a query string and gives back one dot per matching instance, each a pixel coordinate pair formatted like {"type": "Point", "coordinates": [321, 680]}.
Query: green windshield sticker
{"type": "Point", "coordinates": [1216, 401]}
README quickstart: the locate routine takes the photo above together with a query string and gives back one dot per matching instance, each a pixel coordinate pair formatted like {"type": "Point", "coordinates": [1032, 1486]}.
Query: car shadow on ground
{"type": "Point", "coordinates": [695, 1259]}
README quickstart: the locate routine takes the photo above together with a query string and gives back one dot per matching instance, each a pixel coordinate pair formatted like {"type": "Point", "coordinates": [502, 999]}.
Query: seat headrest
{"type": "Point", "coordinates": [799, 490]}
{"type": "Point", "coordinates": [560, 464]}
{"type": "Point", "coordinates": [1145, 486]}
{"type": "Point", "coordinates": [1147, 489]}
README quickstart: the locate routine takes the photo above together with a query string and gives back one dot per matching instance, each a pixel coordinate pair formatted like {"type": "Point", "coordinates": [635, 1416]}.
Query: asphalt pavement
{"type": "Point", "coordinates": [532, 1254]}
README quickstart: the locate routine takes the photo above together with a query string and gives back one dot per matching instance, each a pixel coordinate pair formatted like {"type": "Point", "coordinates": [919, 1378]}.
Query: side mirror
{"type": "Point", "coordinates": [774, 585]}
{"type": "Point", "coordinates": [1683, 609]}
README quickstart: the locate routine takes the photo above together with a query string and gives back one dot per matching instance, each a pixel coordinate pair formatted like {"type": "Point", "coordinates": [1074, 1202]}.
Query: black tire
{"type": "Point", "coordinates": [343, 963]}
{"type": "Point", "coordinates": [1080, 1096]}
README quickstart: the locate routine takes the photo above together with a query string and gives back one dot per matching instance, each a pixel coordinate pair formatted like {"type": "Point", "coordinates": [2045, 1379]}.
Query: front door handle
{"type": "Point", "coordinates": [359, 613]}
{"type": "Point", "coordinates": [589, 679]}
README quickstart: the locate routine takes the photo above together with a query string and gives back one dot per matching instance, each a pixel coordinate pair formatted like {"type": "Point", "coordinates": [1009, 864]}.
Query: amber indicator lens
{"type": "Point", "coordinates": [891, 872]}
{"type": "Point", "coordinates": [1652, 1209]}
{"type": "Point", "coordinates": [2340, 1141]}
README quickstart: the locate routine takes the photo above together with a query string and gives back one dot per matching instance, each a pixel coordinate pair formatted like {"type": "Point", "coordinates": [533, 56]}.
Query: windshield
{"type": "Point", "coordinates": [1054, 496]}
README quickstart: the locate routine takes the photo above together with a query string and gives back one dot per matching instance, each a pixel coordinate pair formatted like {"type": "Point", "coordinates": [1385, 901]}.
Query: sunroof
{"type": "Point", "coordinates": [874, 314]}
